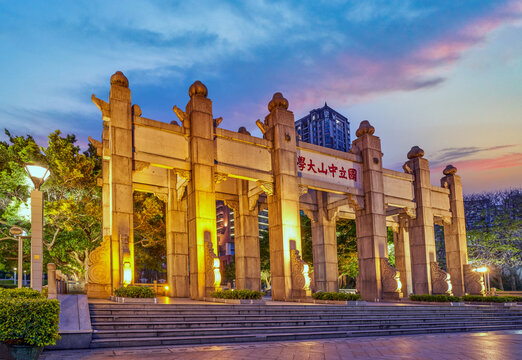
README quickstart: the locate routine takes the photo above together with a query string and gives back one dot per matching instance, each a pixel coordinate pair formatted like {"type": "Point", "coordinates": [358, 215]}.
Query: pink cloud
{"type": "Point", "coordinates": [353, 78]}
{"type": "Point", "coordinates": [499, 162]}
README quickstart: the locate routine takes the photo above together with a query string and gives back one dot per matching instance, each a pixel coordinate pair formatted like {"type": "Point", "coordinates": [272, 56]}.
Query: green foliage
{"type": "Point", "coordinates": [435, 298]}
{"type": "Point", "coordinates": [496, 299]}
{"type": "Point", "coordinates": [8, 284]}
{"type": "Point", "coordinates": [494, 233]}
{"type": "Point", "coordinates": [306, 240]}
{"type": "Point", "coordinates": [72, 207]}
{"type": "Point", "coordinates": [29, 321]}
{"type": "Point", "coordinates": [25, 293]}
{"type": "Point", "coordinates": [135, 292]}
{"type": "Point", "coordinates": [264, 253]}
{"type": "Point", "coordinates": [336, 296]}
{"type": "Point", "coordinates": [229, 272]}
{"type": "Point", "coordinates": [347, 248]}
{"type": "Point", "coordinates": [238, 294]}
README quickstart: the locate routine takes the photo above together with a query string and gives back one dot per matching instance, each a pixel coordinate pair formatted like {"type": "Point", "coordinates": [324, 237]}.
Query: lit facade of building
{"type": "Point", "coordinates": [325, 127]}
{"type": "Point", "coordinates": [225, 231]}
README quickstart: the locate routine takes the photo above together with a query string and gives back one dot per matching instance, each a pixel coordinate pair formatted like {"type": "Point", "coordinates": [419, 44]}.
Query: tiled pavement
{"type": "Point", "coordinates": [505, 345]}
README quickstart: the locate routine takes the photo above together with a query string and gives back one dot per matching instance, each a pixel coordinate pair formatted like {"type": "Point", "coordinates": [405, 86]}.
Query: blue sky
{"type": "Point", "coordinates": [444, 75]}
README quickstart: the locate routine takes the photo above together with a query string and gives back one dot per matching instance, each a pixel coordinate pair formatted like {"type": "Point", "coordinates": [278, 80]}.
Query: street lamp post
{"type": "Point", "coordinates": [38, 175]}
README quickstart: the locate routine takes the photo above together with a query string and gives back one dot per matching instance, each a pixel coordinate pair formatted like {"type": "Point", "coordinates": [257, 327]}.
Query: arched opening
{"type": "Point", "coordinates": [150, 253]}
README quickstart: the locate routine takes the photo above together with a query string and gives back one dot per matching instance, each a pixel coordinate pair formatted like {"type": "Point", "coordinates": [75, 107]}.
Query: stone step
{"type": "Point", "coordinates": [172, 332]}
{"type": "Point", "coordinates": [269, 308]}
{"type": "Point", "coordinates": [306, 316]}
{"type": "Point", "coordinates": [107, 325]}
{"type": "Point", "coordinates": [202, 339]}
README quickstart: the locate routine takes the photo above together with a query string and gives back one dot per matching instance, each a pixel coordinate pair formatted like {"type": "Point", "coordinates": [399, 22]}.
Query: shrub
{"type": "Point", "coordinates": [29, 321]}
{"type": "Point", "coordinates": [8, 286]}
{"type": "Point", "coordinates": [135, 292]}
{"type": "Point", "coordinates": [497, 299]}
{"type": "Point", "coordinates": [238, 294]}
{"type": "Point", "coordinates": [26, 293]}
{"type": "Point", "coordinates": [336, 296]}
{"type": "Point", "coordinates": [435, 298]}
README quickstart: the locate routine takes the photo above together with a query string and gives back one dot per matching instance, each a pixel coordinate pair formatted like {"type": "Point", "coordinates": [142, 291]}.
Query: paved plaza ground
{"type": "Point", "coordinates": [504, 345]}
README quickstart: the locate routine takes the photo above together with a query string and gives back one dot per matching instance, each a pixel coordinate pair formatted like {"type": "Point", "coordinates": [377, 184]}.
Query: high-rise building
{"type": "Point", "coordinates": [225, 231]}
{"type": "Point", "coordinates": [325, 127]}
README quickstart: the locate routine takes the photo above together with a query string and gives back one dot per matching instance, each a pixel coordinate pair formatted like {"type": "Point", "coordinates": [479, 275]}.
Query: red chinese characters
{"type": "Point", "coordinates": [352, 174]}
{"type": "Point", "coordinates": [332, 169]}
{"type": "Point", "coordinates": [301, 162]}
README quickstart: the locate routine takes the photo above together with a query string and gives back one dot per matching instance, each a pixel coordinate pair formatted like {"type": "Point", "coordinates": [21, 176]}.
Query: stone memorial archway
{"type": "Point", "coordinates": [194, 163]}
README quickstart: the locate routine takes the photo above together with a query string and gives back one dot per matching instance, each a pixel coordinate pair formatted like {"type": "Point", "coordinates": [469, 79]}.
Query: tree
{"type": "Point", "coordinates": [347, 259]}
{"type": "Point", "coordinates": [72, 207]}
{"type": "Point", "coordinates": [264, 253]}
{"type": "Point", "coordinates": [494, 233]}
{"type": "Point", "coordinates": [73, 204]}
{"type": "Point", "coordinates": [150, 246]}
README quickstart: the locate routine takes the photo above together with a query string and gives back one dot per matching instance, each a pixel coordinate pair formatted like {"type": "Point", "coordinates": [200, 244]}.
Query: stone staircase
{"type": "Point", "coordinates": [125, 325]}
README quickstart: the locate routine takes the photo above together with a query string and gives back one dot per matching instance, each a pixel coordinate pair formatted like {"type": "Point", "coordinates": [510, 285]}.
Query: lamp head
{"type": "Point", "coordinates": [37, 173]}
{"type": "Point", "coordinates": [15, 230]}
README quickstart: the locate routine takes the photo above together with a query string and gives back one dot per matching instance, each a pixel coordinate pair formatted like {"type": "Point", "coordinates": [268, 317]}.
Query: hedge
{"type": "Point", "coordinates": [435, 298]}
{"type": "Point", "coordinates": [135, 292]}
{"type": "Point", "coordinates": [497, 299]}
{"type": "Point", "coordinates": [29, 321]}
{"type": "Point", "coordinates": [25, 293]}
{"type": "Point", "coordinates": [238, 294]}
{"type": "Point", "coordinates": [336, 296]}
{"type": "Point", "coordinates": [7, 284]}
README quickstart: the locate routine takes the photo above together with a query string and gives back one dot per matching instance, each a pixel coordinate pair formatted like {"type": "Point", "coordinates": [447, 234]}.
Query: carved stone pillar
{"type": "Point", "coordinates": [370, 221]}
{"type": "Point", "coordinates": [422, 237]}
{"type": "Point", "coordinates": [201, 188]}
{"type": "Point", "coordinates": [401, 240]}
{"type": "Point", "coordinates": [473, 281]}
{"type": "Point", "coordinates": [177, 235]}
{"type": "Point", "coordinates": [283, 202]}
{"type": "Point", "coordinates": [248, 262]}
{"type": "Point", "coordinates": [440, 280]}
{"type": "Point", "coordinates": [455, 233]}
{"type": "Point", "coordinates": [324, 246]}
{"type": "Point", "coordinates": [391, 285]}
{"type": "Point", "coordinates": [300, 274]}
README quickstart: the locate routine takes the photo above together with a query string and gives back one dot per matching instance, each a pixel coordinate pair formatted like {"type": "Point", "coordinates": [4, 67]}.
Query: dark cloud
{"type": "Point", "coordinates": [447, 155]}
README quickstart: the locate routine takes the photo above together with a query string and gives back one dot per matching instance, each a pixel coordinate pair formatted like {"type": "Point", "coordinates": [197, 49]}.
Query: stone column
{"type": "Point", "coordinates": [324, 247]}
{"type": "Point", "coordinates": [36, 240]}
{"type": "Point", "coordinates": [107, 261]}
{"type": "Point", "coordinates": [455, 233]}
{"type": "Point", "coordinates": [401, 240]}
{"type": "Point", "coordinates": [283, 199]}
{"type": "Point", "coordinates": [201, 188]}
{"type": "Point", "coordinates": [248, 261]}
{"type": "Point", "coordinates": [52, 290]}
{"type": "Point", "coordinates": [422, 236]}
{"type": "Point", "coordinates": [177, 240]}
{"type": "Point", "coordinates": [120, 178]}
{"type": "Point", "coordinates": [370, 221]}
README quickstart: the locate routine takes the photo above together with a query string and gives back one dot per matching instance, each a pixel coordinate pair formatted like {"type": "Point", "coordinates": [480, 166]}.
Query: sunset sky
{"type": "Point", "coordinates": [444, 75]}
